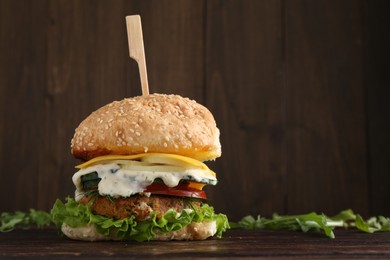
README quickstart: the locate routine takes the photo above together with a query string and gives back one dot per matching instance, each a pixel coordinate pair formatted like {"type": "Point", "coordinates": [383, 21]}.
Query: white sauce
{"type": "Point", "coordinates": [119, 182]}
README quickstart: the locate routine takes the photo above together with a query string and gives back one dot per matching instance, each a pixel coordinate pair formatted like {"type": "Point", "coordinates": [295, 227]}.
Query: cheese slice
{"type": "Point", "coordinates": [149, 159]}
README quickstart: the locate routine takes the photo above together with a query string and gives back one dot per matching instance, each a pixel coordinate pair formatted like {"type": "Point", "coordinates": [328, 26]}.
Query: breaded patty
{"type": "Point", "coordinates": [140, 206]}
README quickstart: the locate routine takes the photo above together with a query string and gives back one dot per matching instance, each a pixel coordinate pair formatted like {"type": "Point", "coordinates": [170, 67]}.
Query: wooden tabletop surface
{"type": "Point", "coordinates": [46, 243]}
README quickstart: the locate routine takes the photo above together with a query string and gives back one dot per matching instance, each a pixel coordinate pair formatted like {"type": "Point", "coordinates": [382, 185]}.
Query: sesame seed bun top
{"type": "Point", "coordinates": [155, 123]}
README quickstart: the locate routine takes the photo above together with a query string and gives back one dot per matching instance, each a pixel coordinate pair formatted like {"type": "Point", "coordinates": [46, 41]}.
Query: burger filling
{"type": "Point", "coordinates": [119, 187]}
{"type": "Point", "coordinates": [139, 196]}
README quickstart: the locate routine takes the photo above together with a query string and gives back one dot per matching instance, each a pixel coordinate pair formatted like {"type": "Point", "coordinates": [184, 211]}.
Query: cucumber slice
{"type": "Point", "coordinates": [91, 183]}
{"type": "Point", "coordinates": [89, 176]}
{"type": "Point", "coordinates": [90, 180]}
{"type": "Point", "coordinates": [201, 180]}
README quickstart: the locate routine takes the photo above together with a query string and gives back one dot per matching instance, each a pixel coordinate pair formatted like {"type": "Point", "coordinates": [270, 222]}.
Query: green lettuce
{"type": "Point", "coordinates": [77, 215]}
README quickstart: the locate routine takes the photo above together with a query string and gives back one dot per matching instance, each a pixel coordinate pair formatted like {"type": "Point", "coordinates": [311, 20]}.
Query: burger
{"type": "Point", "coordinates": [142, 173]}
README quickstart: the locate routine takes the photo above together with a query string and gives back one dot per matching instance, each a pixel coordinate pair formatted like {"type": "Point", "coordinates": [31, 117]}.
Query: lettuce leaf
{"type": "Point", "coordinates": [76, 215]}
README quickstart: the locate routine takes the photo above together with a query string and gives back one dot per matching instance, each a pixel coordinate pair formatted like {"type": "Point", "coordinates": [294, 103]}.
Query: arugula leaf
{"type": "Point", "coordinates": [9, 221]}
{"type": "Point", "coordinates": [305, 223]}
{"type": "Point", "coordinates": [373, 224]}
{"type": "Point", "coordinates": [315, 222]}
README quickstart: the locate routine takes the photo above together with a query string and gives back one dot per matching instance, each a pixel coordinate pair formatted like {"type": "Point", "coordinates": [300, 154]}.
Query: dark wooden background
{"type": "Point", "coordinates": [299, 89]}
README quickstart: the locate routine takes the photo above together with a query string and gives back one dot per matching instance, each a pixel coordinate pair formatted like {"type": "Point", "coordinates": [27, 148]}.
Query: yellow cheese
{"type": "Point", "coordinates": [196, 185]}
{"type": "Point", "coordinates": [150, 159]}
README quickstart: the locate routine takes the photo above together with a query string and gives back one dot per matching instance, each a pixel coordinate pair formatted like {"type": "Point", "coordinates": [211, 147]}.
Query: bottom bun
{"type": "Point", "coordinates": [193, 231]}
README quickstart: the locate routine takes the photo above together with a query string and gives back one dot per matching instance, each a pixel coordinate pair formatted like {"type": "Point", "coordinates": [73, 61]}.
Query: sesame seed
{"type": "Point", "coordinates": [165, 144]}
{"type": "Point", "coordinates": [131, 130]}
{"type": "Point", "coordinates": [137, 133]}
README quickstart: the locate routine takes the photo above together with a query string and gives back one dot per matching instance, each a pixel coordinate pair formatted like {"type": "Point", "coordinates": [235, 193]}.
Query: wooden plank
{"type": "Point", "coordinates": [244, 91]}
{"type": "Point", "coordinates": [327, 168]}
{"type": "Point", "coordinates": [376, 83]}
{"type": "Point", "coordinates": [60, 60]}
{"type": "Point", "coordinates": [22, 83]}
{"type": "Point", "coordinates": [46, 244]}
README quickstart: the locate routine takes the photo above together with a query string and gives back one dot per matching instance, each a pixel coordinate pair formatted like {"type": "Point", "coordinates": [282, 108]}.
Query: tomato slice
{"type": "Point", "coordinates": [181, 190]}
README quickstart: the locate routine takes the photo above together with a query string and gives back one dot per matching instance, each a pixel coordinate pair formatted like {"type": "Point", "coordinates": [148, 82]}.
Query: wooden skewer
{"type": "Point", "coordinates": [136, 48]}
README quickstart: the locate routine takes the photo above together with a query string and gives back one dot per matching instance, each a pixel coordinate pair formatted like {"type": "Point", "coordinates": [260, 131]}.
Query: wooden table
{"type": "Point", "coordinates": [236, 243]}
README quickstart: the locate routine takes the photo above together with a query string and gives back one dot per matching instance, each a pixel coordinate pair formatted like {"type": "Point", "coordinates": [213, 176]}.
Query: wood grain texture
{"type": "Point", "coordinates": [376, 83]}
{"type": "Point", "coordinates": [244, 91]}
{"type": "Point", "coordinates": [46, 244]}
{"type": "Point", "coordinates": [327, 168]}
{"type": "Point", "coordinates": [63, 60]}
{"type": "Point", "coordinates": [298, 88]}
{"type": "Point", "coordinates": [174, 45]}
{"type": "Point", "coordinates": [22, 62]}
